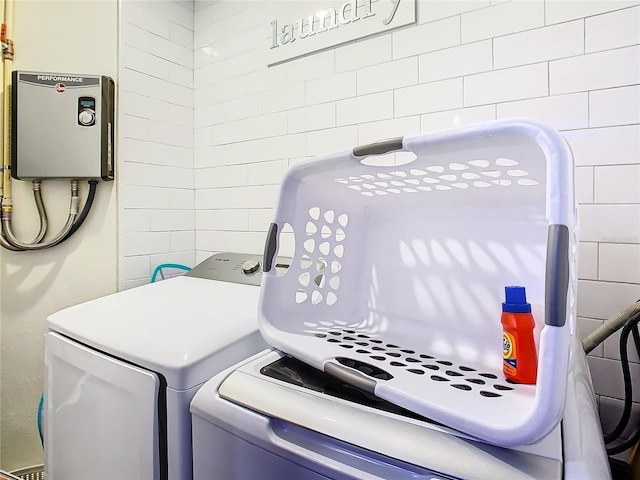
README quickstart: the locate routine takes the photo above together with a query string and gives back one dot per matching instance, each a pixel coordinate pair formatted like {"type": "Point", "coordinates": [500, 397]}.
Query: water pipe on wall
{"type": "Point", "coordinates": [7, 55]}
{"type": "Point", "coordinates": [8, 239]}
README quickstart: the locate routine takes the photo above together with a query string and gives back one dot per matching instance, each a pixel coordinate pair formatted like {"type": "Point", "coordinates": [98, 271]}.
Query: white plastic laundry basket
{"type": "Point", "coordinates": [399, 272]}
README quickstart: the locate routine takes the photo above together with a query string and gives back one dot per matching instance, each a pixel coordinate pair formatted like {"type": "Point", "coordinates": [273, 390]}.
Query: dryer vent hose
{"type": "Point", "coordinates": [610, 327]}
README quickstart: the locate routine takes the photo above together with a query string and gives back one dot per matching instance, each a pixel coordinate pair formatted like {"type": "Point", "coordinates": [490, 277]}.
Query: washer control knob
{"type": "Point", "coordinates": [86, 117]}
{"type": "Point", "coordinates": [250, 267]}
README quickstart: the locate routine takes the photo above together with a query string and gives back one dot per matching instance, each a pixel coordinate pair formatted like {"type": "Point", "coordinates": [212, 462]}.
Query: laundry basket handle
{"type": "Point", "coordinates": [557, 275]}
{"type": "Point", "coordinates": [378, 148]}
{"type": "Point", "coordinates": [270, 247]}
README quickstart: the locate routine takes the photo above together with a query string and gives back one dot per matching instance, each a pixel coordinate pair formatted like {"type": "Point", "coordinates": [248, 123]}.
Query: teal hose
{"type": "Point", "coordinates": [159, 268]}
{"type": "Point", "coordinates": [40, 405]}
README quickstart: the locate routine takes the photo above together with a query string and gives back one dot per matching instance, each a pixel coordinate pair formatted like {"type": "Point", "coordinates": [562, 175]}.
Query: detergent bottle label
{"type": "Point", "coordinates": [510, 362]}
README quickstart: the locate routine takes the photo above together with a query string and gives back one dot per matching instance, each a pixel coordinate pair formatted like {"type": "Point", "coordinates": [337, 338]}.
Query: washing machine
{"type": "Point", "coordinates": [274, 417]}
{"type": "Point", "coordinates": [121, 370]}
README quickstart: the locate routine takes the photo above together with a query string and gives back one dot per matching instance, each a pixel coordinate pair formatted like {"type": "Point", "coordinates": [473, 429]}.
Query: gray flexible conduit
{"type": "Point", "coordinates": [73, 213]}
{"type": "Point", "coordinates": [42, 213]}
{"type": "Point", "coordinates": [610, 327]}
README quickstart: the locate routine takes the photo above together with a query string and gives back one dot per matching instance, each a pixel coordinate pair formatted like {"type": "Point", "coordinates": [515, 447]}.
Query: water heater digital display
{"type": "Point", "coordinates": [62, 126]}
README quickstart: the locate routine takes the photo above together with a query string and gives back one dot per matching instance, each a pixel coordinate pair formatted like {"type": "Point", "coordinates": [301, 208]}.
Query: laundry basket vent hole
{"type": "Point", "coordinates": [324, 248]}
{"type": "Point", "coordinates": [314, 212]}
{"type": "Point", "coordinates": [502, 387]}
{"type": "Point", "coordinates": [479, 163]}
{"type": "Point", "coordinates": [477, 381]}
{"type": "Point", "coordinates": [311, 228]}
{"type": "Point", "coordinates": [502, 182]}
{"type": "Point", "coordinates": [457, 166]}
{"type": "Point", "coordinates": [309, 245]}
{"type": "Point", "coordinates": [304, 279]}
{"type": "Point", "coordinates": [331, 298]}
{"type": "Point", "coordinates": [305, 261]}
{"type": "Point", "coordinates": [316, 297]}
{"type": "Point", "coordinates": [321, 264]}
{"type": "Point", "coordinates": [527, 182]}
{"type": "Point", "coordinates": [484, 393]}
{"type": "Point", "coordinates": [506, 162]}
{"type": "Point", "coordinates": [301, 296]}
{"type": "Point", "coordinates": [461, 387]}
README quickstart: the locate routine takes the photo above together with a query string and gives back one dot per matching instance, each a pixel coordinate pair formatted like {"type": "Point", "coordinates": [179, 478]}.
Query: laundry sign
{"type": "Point", "coordinates": [298, 28]}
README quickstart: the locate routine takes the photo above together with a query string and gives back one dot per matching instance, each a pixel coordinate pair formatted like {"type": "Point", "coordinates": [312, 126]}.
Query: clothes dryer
{"type": "Point", "coordinates": [120, 371]}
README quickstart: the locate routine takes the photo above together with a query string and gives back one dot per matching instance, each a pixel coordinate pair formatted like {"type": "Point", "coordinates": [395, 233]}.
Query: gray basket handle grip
{"type": "Point", "coordinates": [270, 247]}
{"type": "Point", "coordinates": [352, 377]}
{"type": "Point", "coordinates": [557, 276]}
{"type": "Point", "coordinates": [347, 370]}
{"type": "Point", "coordinates": [378, 148]}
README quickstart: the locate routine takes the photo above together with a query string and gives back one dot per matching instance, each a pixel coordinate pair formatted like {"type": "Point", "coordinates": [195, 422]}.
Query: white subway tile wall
{"type": "Point", "coordinates": [156, 134]}
{"type": "Point", "coordinates": [574, 65]}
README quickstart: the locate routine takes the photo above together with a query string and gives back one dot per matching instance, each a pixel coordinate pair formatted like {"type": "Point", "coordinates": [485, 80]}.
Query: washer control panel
{"type": "Point", "coordinates": [234, 267]}
{"type": "Point", "coordinates": [251, 267]}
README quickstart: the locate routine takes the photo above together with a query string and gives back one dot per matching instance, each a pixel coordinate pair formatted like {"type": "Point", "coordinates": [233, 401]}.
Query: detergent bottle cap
{"type": "Point", "coordinates": [516, 300]}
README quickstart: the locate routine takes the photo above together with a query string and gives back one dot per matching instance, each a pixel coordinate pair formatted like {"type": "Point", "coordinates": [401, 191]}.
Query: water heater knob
{"type": "Point", "coordinates": [250, 267]}
{"type": "Point", "coordinates": [86, 117]}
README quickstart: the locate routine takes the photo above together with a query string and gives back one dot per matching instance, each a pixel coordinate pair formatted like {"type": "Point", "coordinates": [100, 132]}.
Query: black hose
{"type": "Point", "coordinates": [630, 442]}
{"type": "Point", "coordinates": [630, 326]}
{"type": "Point", "coordinates": [85, 210]}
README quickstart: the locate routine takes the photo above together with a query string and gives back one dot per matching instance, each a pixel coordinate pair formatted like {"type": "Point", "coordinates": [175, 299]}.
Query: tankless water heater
{"type": "Point", "coordinates": [62, 126]}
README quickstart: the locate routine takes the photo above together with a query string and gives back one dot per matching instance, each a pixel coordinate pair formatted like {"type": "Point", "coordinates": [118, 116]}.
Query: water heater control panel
{"type": "Point", "coordinates": [62, 126]}
{"type": "Point", "coordinates": [86, 111]}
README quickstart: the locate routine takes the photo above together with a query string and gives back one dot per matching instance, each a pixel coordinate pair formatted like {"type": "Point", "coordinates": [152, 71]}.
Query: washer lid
{"type": "Point", "coordinates": [186, 329]}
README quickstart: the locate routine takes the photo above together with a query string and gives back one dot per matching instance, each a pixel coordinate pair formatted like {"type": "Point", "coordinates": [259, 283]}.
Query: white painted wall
{"type": "Point", "coordinates": [156, 138]}
{"type": "Point", "coordinates": [572, 64]}
{"type": "Point", "coordinates": [49, 35]}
